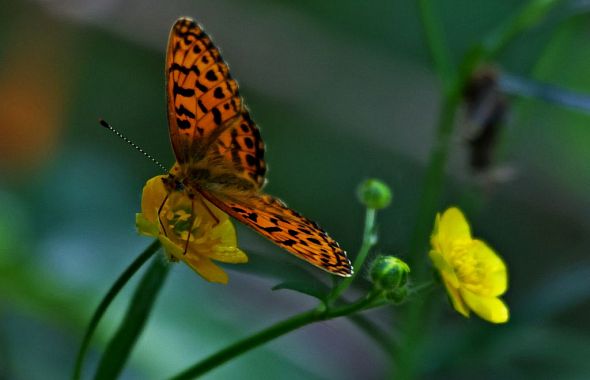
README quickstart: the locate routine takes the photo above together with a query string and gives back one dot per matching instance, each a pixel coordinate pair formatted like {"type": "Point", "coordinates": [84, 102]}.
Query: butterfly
{"type": "Point", "coordinates": [220, 153]}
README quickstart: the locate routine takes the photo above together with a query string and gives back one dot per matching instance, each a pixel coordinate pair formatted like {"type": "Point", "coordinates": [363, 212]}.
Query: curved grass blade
{"type": "Point", "coordinates": [120, 346]}
{"type": "Point", "coordinates": [106, 301]}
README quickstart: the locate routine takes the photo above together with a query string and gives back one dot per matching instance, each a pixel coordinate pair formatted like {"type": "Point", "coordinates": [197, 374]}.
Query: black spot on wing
{"type": "Point", "coordinates": [211, 76]}
{"type": "Point", "coordinates": [216, 116]}
{"type": "Point", "coordinates": [201, 87]}
{"type": "Point", "coordinates": [183, 124]}
{"type": "Point", "coordinates": [251, 160]}
{"type": "Point", "coordinates": [183, 111]}
{"type": "Point", "coordinates": [218, 93]}
{"type": "Point", "coordinates": [272, 229]}
{"type": "Point", "coordinates": [186, 92]}
{"type": "Point", "coordinates": [202, 106]}
{"type": "Point", "coordinates": [184, 70]}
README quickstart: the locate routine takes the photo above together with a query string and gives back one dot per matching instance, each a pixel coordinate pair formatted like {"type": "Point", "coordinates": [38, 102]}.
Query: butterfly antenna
{"type": "Point", "coordinates": [122, 137]}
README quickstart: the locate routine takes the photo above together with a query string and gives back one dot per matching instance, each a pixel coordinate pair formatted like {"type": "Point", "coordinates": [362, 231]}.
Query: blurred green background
{"type": "Point", "coordinates": [342, 91]}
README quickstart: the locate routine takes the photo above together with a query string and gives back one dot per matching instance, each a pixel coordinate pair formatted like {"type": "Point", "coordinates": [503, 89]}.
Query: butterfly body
{"type": "Point", "coordinates": [220, 153]}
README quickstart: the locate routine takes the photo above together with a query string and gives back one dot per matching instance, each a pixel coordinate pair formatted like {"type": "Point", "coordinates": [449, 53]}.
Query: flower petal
{"type": "Point", "coordinates": [491, 309]}
{"type": "Point", "coordinates": [444, 267]}
{"type": "Point", "coordinates": [206, 269]}
{"type": "Point", "coordinates": [456, 299]}
{"type": "Point", "coordinates": [225, 232]}
{"type": "Point", "coordinates": [152, 198]}
{"type": "Point", "coordinates": [145, 227]}
{"type": "Point", "coordinates": [220, 215]}
{"type": "Point", "coordinates": [451, 226]}
{"type": "Point", "coordinates": [494, 281]}
{"type": "Point", "coordinates": [172, 248]}
{"type": "Point", "coordinates": [230, 255]}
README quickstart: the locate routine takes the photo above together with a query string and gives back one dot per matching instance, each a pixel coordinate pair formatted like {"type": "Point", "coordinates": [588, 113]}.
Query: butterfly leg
{"type": "Point", "coordinates": [190, 228]}
{"type": "Point", "coordinates": [210, 212]}
{"type": "Point", "coordinates": [160, 214]}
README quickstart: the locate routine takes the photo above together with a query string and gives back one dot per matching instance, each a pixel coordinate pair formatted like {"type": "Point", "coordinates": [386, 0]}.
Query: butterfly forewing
{"type": "Point", "coordinates": [202, 97]}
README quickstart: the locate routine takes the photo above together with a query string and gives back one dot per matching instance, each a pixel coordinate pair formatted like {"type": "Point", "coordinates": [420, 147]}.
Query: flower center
{"type": "Point", "coordinates": [182, 217]}
{"type": "Point", "coordinates": [180, 221]}
{"type": "Point", "coordinates": [466, 266]}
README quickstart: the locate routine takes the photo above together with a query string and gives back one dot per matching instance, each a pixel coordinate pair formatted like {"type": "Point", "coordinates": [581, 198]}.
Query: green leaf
{"type": "Point", "coordinates": [120, 346]}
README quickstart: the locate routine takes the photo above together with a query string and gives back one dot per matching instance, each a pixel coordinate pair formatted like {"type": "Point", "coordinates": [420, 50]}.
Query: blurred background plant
{"type": "Point", "coordinates": [342, 91]}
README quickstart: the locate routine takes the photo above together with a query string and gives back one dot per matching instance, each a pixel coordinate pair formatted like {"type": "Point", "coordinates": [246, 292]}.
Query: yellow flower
{"type": "Point", "coordinates": [212, 234]}
{"type": "Point", "coordinates": [474, 275]}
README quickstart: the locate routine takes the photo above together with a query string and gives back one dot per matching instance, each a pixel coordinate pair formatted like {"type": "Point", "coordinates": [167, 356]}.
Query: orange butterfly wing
{"type": "Point", "coordinates": [240, 149]}
{"type": "Point", "coordinates": [287, 228]}
{"type": "Point", "coordinates": [220, 149]}
{"type": "Point", "coordinates": [206, 115]}
{"type": "Point", "coordinates": [202, 96]}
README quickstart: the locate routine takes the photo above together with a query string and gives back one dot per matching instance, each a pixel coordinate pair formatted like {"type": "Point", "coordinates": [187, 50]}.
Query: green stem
{"type": "Point", "coordinates": [107, 300]}
{"type": "Point", "coordinates": [278, 329]}
{"type": "Point", "coordinates": [433, 183]}
{"type": "Point", "coordinates": [529, 16]}
{"type": "Point", "coordinates": [407, 353]}
{"type": "Point", "coordinates": [436, 45]}
{"type": "Point", "coordinates": [369, 241]}
{"type": "Point", "coordinates": [422, 287]}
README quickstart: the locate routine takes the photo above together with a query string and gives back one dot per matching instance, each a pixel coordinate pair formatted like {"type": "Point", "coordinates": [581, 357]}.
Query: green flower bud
{"type": "Point", "coordinates": [389, 273]}
{"type": "Point", "coordinates": [374, 194]}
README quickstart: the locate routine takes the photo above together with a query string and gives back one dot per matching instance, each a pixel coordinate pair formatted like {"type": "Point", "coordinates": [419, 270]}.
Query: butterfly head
{"type": "Point", "coordinates": [173, 183]}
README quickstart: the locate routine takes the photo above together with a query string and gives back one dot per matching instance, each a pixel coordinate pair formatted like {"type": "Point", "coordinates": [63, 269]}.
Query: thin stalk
{"type": "Point", "coordinates": [433, 184]}
{"type": "Point", "coordinates": [107, 300]}
{"type": "Point", "coordinates": [414, 327]}
{"type": "Point", "coordinates": [369, 241]}
{"type": "Point", "coordinates": [439, 52]}
{"type": "Point", "coordinates": [407, 350]}
{"type": "Point", "coordinates": [528, 17]}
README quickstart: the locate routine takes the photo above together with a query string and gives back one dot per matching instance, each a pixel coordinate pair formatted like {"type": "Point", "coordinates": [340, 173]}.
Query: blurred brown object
{"type": "Point", "coordinates": [486, 113]}
{"type": "Point", "coordinates": [33, 88]}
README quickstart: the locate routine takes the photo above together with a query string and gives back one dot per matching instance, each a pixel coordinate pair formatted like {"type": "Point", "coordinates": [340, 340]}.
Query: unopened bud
{"type": "Point", "coordinates": [389, 273]}
{"type": "Point", "coordinates": [374, 194]}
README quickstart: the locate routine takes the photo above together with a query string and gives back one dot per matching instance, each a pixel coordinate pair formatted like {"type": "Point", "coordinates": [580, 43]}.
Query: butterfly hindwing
{"type": "Point", "coordinates": [240, 147]}
{"type": "Point", "coordinates": [287, 228]}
